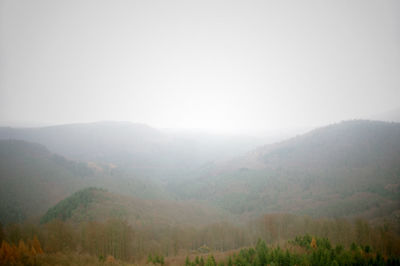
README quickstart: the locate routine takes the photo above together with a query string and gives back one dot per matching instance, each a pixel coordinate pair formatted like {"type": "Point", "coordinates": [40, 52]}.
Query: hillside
{"type": "Point", "coordinates": [141, 148]}
{"type": "Point", "coordinates": [32, 179]}
{"type": "Point", "coordinates": [342, 170]}
{"type": "Point", "coordinates": [346, 169]}
{"type": "Point", "coordinates": [93, 204]}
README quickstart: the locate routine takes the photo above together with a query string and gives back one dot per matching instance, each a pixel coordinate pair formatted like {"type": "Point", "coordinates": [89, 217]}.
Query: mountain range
{"type": "Point", "coordinates": [346, 169]}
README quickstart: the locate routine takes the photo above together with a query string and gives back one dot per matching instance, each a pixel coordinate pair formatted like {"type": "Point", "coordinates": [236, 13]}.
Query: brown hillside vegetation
{"type": "Point", "coordinates": [132, 243]}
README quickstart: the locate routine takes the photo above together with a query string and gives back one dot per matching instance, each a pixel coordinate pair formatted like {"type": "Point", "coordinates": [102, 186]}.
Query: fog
{"type": "Point", "coordinates": [219, 66]}
{"type": "Point", "coordinates": [199, 132]}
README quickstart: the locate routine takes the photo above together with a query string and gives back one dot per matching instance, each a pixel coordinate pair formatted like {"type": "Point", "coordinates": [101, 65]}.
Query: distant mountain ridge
{"type": "Point", "coordinates": [342, 143]}
{"type": "Point", "coordinates": [86, 141]}
{"type": "Point", "coordinates": [136, 146]}
{"type": "Point", "coordinates": [346, 169]}
{"type": "Point", "coordinates": [353, 139]}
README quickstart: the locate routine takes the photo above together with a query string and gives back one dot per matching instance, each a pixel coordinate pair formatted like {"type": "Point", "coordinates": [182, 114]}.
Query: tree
{"type": "Point", "coordinates": [8, 254]}
{"type": "Point", "coordinates": [211, 261]}
{"type": "Point", "coordinates": [36, 246]}
{"type": "Point", "coordinates": [313, 243]}
{"type": "Point", "coordinates": [25, 255]}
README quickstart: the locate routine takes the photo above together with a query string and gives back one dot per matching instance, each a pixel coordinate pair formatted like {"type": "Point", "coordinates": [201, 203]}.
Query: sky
{"type": "Point", "coordinates": [222, 66]}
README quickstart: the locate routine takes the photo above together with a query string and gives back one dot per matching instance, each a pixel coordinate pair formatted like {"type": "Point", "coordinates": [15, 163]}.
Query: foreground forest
{"type": "Point", "coordinates": [111, 193]}
{"type": "Point", "coordinates": [325, 242]}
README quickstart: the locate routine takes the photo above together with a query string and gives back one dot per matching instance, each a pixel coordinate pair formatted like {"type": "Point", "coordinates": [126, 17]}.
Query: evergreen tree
{"type": "Point", "coordinates": [211, 261]}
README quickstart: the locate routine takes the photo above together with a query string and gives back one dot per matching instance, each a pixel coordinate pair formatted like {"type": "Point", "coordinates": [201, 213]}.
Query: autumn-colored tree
{"type": "Point", "coordinates": [110, 259]}
{"type": "Point", "coordinates": [22, 248]}
{"type": "Point", "coordinates": [313, 243]}
{"type": "Point", "coordinates": [8, 254]}
{"type": "Point", "coordinates": [25, 255]}
{"type": "Point", "coordinates": [3, 251]}
{"type": "Point", "coordinates": [36, 246]}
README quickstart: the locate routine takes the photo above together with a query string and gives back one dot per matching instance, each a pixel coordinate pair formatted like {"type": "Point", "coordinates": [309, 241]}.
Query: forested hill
{"type": "Point", "coordinates": [96, 204]}
{"type": "Point", "coordinates": [32, 179]}
{"type": "Point", "coordinates": [348, 144]}
{"type": "Point", "coordinates": [338, 145]}
{"type": "Point", "coordinates": [345, 169]}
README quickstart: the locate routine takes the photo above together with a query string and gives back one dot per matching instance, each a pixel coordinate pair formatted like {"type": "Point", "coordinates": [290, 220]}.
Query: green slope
{"type": "Point", "coordinates": [94, 204]}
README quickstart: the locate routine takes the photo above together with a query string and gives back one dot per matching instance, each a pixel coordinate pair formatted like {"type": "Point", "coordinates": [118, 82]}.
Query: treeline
{"type": "Point", "coordinates": [134, 242]}
{"type": "Point", "coordinates": [280, 227]}
{"type": "Point", "coordinates": [306, 250]}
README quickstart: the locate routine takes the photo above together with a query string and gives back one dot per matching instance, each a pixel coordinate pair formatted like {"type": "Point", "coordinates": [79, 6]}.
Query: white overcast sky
{"type": "Point", "coordinates": [229, 66]}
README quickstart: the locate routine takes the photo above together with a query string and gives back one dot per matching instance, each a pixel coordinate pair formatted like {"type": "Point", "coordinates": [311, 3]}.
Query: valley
{"type": "Point", "coordinates": [339, 182]}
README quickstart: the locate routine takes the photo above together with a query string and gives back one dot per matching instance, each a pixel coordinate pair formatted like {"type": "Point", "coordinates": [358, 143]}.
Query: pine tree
{"type": "Point", "coordinates": [201, 261]}
{"type": "Point", "coordinates": [211, 261]}
{"type": "Point", "coordinates": [230, 261]}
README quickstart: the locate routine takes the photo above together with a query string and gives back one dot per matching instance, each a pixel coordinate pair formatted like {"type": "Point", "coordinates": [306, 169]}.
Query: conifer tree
{"type": "Point", "coordinates": [211, 261]}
